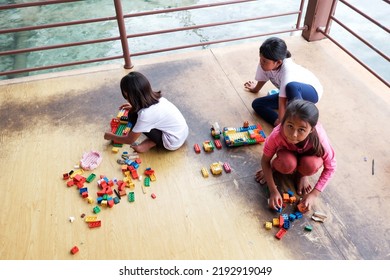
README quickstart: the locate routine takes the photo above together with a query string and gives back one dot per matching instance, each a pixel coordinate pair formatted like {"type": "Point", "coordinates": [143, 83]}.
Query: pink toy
{"type": "Point", "coordinates": [90, 160]}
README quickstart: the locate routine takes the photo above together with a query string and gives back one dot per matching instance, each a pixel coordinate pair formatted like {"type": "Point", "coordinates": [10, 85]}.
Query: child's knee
{"type": "Point", "coordinates": [309, 165]}
{"type": "Point", "coordinates": [285, 162]}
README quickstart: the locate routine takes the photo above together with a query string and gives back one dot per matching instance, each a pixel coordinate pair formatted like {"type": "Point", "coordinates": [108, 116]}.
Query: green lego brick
{"type": "Point", "coordinates": [91, 178]}
{"type": "Point", "coordinates": [131, 197]}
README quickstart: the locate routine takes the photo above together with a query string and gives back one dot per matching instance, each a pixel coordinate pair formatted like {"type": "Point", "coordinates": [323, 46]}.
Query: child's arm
{"type": "Point", "coordinates": [275, 200]}
{"type": "Point", "coordinates": [252, 87]}
{"type": "Point", "coordinates": [281, 110]}
{"type": "Point", "coordinates": [130, 138]}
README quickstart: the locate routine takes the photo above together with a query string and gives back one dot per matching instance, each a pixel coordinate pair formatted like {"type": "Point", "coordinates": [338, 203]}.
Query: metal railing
{"type": "Point", "coordinates": [333, 19]}
{"type": "Point", "coordinates": [123, 36]}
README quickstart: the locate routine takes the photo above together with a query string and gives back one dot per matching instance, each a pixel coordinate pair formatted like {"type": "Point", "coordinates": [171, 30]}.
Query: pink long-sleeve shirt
{"type": "Point", "coordinates": [277, 141]}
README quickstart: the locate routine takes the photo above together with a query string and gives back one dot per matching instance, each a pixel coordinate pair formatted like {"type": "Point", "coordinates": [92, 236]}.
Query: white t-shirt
{"type": "Point", "coordinates": [166, 117]}
{"type": "Point", "coordinates": [289, 72]}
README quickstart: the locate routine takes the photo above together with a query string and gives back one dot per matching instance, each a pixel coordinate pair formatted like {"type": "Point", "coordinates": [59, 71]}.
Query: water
{"type": "Point", "coordinates": [104, 8]}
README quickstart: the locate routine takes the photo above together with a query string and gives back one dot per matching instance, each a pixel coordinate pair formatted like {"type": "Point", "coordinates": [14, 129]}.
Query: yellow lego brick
{"type": "Point", "coordinates": [115, 150]}
{"type": "Point", "coordinates": [268, 225]}
{"type": "Point", "coordinates": [152, 177]}
{"type": "Point", "coordinates": [77, 172]}
{"type": "Point", "coordinates": [90, 218]}
{"type": "Point", "coordinates": [205, 173]}
{"type": "Point", "coordinates": [275, 222]}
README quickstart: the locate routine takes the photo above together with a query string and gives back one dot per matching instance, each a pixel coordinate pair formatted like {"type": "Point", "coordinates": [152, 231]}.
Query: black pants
{"type": "Point", "coordinates": [154, 134]}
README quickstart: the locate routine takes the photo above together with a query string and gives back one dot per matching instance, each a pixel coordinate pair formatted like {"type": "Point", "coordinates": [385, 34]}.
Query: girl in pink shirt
{"type": "Point", "coordinates": [301, 147]}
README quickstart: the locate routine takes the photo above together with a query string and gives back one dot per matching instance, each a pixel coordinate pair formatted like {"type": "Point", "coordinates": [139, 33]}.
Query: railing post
{"type": "Point", "coordinates": [317, 16]}
{"type": "Point", "coordinates": [122, 33]}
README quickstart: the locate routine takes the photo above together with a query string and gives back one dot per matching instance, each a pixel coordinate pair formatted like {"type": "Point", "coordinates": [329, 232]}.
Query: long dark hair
{"type": "Point", "coordinates": [274, 49]}
{"type": "Point", "coordinates": [137, 90]}
{"type": "Point", "coordinates": [308, 112]}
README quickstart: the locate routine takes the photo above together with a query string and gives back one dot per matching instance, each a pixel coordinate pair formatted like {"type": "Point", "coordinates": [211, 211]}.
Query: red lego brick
{"type": "Point", "coordinates": [94, 224]}
{"type": "Point", "coordinates": [281, 233]}
{"type": "Point", "coordinates": [217, 144]}
{"type": "Point", "coordinates": [74, 250]}
{"type": "Point", "coordinates": [197, 148]}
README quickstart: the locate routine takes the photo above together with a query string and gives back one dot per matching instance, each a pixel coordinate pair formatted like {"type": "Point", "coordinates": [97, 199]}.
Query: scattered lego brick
{"type": "Point", "coordinates": [96, 209]}
{"type": "Point", "coordinates": [153, 195]}
{"type": "Point", "coordinates": [90, 219]}
{"type": "Point", "coordinates": [74, 250]}
{"type": "Point", "coordinates": [217, 144]}
{"type": "Point", "coordinates": [91, 178]}
{"type": "Point", "coordinates": [302, 208]}
{"type": "Point", "coordinates": [205, 173]}
{"type": "Point", "coordinates": [131, 197]}
{"type": "Point", "coordinates": [95, 224]}
{"type": "Point", "coordinates": [281, 233]}
{"type": "Point", "coordinates": [197, 148]}
{"type": "Point", "coordinates": [308, 228]}
{"type": "Point", "coordinates": [226, 167]}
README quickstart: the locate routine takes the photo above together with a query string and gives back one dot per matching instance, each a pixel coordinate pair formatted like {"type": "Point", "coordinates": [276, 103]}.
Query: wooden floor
{"type": "Point", "coordinates": [47, 122]}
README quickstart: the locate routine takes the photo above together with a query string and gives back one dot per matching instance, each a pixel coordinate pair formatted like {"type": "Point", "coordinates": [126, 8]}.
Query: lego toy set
{"type": "Point", "coordinates": [109, 191]}
{"type": "Point", "coordinates": [233, 137]}
{"type": "Point", "coordinates": [284, 221]}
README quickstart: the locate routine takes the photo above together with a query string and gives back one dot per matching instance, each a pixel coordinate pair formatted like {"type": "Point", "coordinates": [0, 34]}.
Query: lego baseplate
{"type": "Point", "coordinates": [240, 136]}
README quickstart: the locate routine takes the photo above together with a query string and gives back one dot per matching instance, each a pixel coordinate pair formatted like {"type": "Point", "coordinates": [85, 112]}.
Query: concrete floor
{"type": "Point", "coordinates": [48, 121]}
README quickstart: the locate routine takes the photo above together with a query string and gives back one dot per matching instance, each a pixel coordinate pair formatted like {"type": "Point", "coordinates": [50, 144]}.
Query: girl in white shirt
{"type": "Point", "coordinates": [151, 114]}
{"type": "Point", "coordinates": [292, 80]}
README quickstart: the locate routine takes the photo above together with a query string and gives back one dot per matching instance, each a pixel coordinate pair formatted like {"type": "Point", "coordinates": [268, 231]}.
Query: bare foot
{"type": "Point", "coordinates": [259, 177]}
{"type": "Point", "coordinates": [144, 146]}
{"type": "Point", "coordinates": [304, 186]}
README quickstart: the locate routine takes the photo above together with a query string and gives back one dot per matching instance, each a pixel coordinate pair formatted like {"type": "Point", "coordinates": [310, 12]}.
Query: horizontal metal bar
{"type": "Point", "coordinates": [215, 42]}
{"type": "Point", "coordinates": [185, 8]}
{"type": "Point", "coordinates": [32, 4]}
{"type": "Point", "coordinates": [58, 46]}
{"type": "Point", "coordinates": [354, 57]}
{"type": "Point", "coordinates": [18, 71]}
{"type": "Point", "coordinates": [365, 15]}
{"type": "Point", "coordinates": [206, 25]}
{"type": "Point", "coordinates": [13, 52]}
{"type": "Point", "coordinates": [361, 39]}
{"type": "Point", "coordinates": [77, 22]}
{"type": "Point", "coordinates": [54, 25]}
{"type": "Point", "coordinates": [32, 69]}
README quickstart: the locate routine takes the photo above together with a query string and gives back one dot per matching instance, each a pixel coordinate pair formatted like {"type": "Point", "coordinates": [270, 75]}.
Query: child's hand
{"type": "Point", "coordinates": [125, 106]}
{"type": "Point", "coordinates": [275, 200]}
{"type": "Point", "coordinates": [107, 136]}
{"type": "Point", "coordinates": [309, 199]}
{"type": "Point", "coordinates": [250, 85]}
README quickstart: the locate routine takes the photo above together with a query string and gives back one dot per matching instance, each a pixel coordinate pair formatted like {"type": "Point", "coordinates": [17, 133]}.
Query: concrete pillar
{"type": "Point", "coordinates": [317, 16]}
